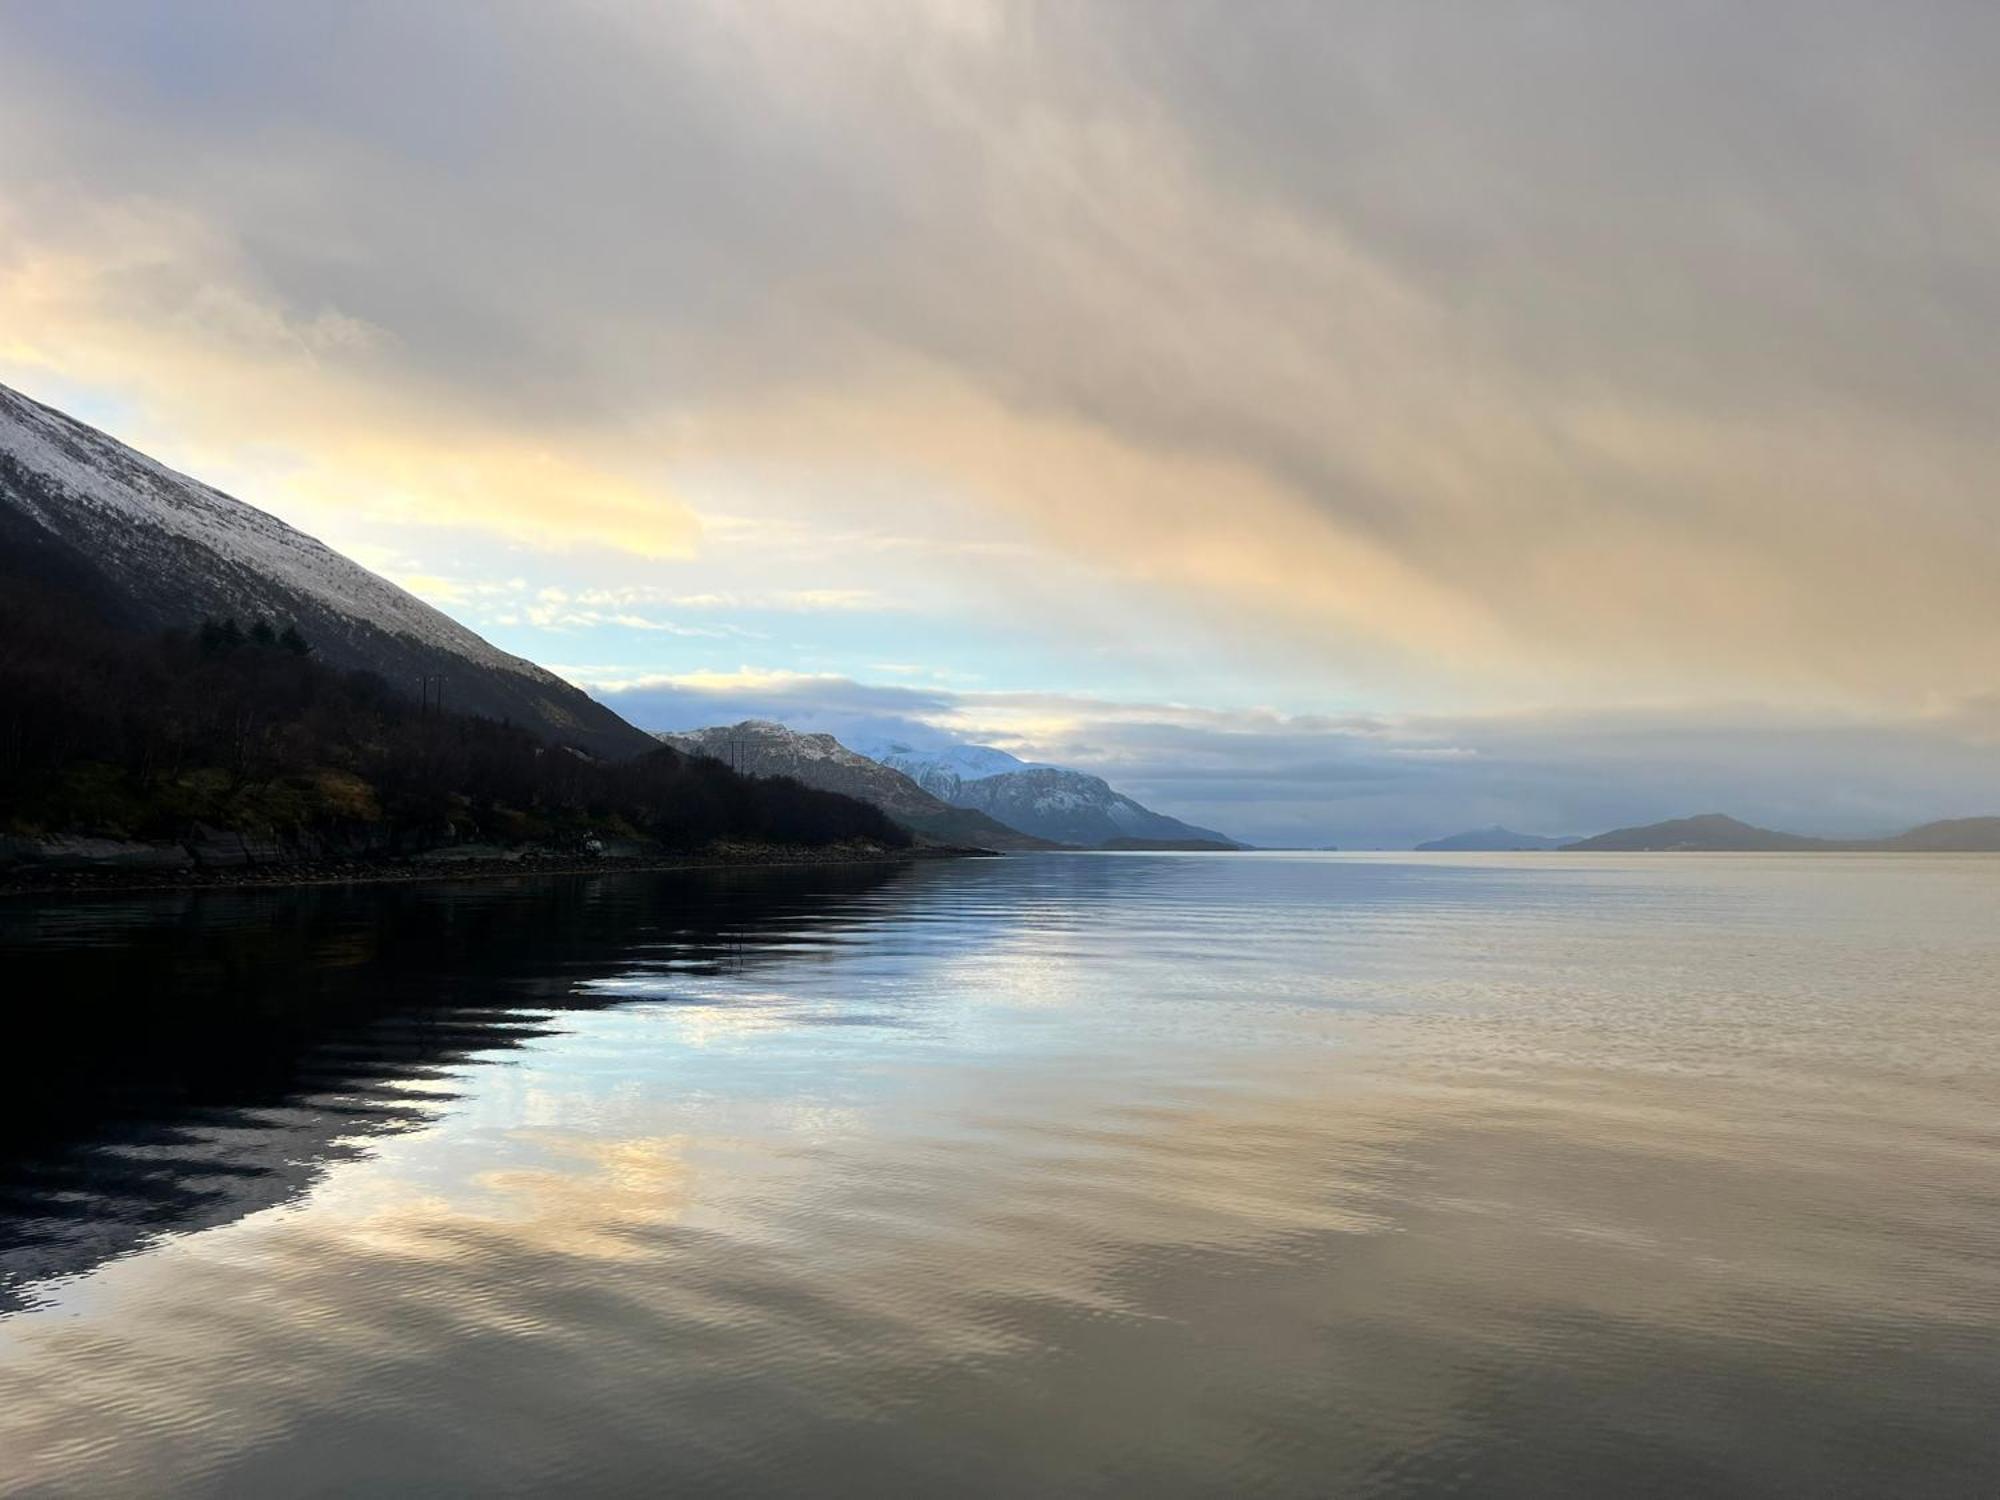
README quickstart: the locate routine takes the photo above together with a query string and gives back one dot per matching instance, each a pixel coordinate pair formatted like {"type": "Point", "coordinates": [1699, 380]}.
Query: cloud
{"type": "Point", "coordinates": [786, 601]}
{"type": "Point", "coordinates": [1556, 354]}
{"type": "Point", "coordinates": [804, 700]}
{"type": "Point", "coordinates": [306, 406]}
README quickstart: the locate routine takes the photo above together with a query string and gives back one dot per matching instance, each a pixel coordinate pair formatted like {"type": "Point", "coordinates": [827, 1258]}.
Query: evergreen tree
{"type": "Point", "coordinates": [263, 633]}
{"type": "Point", "coordinates": [293, 641]}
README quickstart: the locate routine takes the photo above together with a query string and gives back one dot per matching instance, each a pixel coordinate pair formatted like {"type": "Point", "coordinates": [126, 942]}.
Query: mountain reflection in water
{"type": "Point", "coordinates": [181, 1060]}
{"type": "Point", "coordinates": [1513, 1175]}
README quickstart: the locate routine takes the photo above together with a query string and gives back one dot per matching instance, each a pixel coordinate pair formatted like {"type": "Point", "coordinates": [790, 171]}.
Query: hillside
{"type": "Point", "coordinates": [223, 748]}
{"type": "Point", "coordinates": [1716, 832]}
{"type": "Point", "coordinates": [1950, 836]}
{"type": "Point", "coordinates": [1051, 802]}
{"type": "Point", "coordinates": [148, 549]}
{"type": "Point", "coordinates": [759, 747]}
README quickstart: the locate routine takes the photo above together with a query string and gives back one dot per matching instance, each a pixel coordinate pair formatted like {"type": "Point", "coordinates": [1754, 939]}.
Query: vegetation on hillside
{"type": "Point", "coordinates": [112, 732]}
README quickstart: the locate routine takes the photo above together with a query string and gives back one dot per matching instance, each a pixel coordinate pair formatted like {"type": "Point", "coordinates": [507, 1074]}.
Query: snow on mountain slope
{"type": "Point", "coordinates": [1051, 802]}
{"type": "Point", "coordinates": [946, 764]}
{"type": "Point", "coordinates": [763, 748]}
{"type": "Point", "coordinates": [166, 550]}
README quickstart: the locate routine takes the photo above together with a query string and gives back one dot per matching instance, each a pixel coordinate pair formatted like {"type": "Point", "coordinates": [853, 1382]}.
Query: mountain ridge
{"type": "Point", "coordinates": [156, 549]}
{"type": "Point", "coordinates": [762, 747]}
{"type": "Point", "coordinates": [1052, 802]}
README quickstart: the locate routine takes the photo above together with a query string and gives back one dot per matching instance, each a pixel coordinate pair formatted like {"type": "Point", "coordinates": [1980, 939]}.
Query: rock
{"type": "Point", "coordinates": [73, 852]}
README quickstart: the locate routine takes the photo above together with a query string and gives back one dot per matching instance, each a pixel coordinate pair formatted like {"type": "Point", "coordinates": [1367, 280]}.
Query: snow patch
{"type": "Point", "coordinates": [124, 507]}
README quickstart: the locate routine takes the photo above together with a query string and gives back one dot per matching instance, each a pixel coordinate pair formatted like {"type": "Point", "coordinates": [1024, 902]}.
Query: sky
{"type": "Point", "coordinates": [1334, 422]}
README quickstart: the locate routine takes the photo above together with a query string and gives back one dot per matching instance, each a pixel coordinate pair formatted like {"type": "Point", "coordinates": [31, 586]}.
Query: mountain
{"type": "Point", "coordinates": [1707, 831]}
{"type": "Point", "coordinates": [1495, 838]}
{"type": "Point", "coordinates": [164, 753]}
{"type": "Point", "coordinates": [1714, 831]}
{"type": "Point", "coordinates": [941, 769]}
{"type": "Point", "coordinates": [1073, 807]}
{"type": "Point", "coordinates": [1051, 802]}
{"type": "Point", "coordinates": [152, 549]}
{"type": "Point", "coordinates": [1951, 836]}
{"type": "Point", "coordinates": [762, 748]}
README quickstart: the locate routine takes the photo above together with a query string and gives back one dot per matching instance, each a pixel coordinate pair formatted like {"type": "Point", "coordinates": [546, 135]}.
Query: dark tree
{"type": "Point", "coordinates": [294, 642]}
{"type": "Point", "coordinates": [263, 633]}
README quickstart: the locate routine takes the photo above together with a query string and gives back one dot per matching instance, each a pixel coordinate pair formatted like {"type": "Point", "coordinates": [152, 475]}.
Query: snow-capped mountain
{"type": "Point", "coordinates": [948, 766]}
{"type": "Point", "coordinates": [154, 549]}
{"type": "Point", "coordinates": [762, 748]}
{"type": "Point", "coordinates": [944, 770]}
{"type": "Point", "coordinates": [1051, 802]}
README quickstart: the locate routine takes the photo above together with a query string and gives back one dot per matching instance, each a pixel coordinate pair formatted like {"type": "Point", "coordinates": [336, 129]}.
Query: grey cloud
{"type": "Point", "coordinates": [832, 705]}
{"type": "Point", "coordinates": [1718, 197]}
{"type": "Point", "coordinates": [1734, 198]}
{"type": "Point", "coordinates": [543, 206]}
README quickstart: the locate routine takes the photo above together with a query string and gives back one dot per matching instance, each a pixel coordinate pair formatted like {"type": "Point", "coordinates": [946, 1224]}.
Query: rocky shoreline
{"type": "Point", "coordinates": [48, 880]}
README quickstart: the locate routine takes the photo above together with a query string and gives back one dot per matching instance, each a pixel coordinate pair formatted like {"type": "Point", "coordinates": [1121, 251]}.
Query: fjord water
{"type": "Point", "coordinates": [1281, 1174]}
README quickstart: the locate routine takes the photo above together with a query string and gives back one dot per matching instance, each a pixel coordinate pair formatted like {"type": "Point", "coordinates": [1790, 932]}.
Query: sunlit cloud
{"type": "Point", "coordinates": [304, 406]}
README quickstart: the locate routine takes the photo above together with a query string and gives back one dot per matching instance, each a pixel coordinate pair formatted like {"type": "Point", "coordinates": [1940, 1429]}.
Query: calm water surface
{"type": "Point", "coordinates": [1535, 1175]}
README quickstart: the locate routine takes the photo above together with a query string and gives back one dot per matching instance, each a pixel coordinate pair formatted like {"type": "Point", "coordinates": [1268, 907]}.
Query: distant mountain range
{"type": "Point", "coordinates": [1496, 838]}
{"type": "Point", "coordinates": [965, 794]}
{"type": "Point", "coordinates": [152, 549]}
{"type": "Point", "coordinates": [1050, 802]}
{"type": "Point", "coordinates": [759, 747]}
{"type": "Point", "coordinates": [1719, 833]}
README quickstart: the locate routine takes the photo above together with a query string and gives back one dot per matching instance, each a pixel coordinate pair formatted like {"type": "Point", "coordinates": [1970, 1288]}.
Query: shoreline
{"type": "Point", "coordinates": [75, 881]}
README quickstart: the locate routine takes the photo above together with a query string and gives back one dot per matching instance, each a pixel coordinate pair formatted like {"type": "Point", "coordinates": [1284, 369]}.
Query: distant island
{"type": "Point", "coordinates": [1496, 838]}
{"type": "Point", "coordinates": [1720, 833]}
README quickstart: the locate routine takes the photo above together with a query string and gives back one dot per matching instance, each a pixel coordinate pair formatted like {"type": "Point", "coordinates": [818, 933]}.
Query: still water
{"type": "Point", "coordinates": [1137, 1174]}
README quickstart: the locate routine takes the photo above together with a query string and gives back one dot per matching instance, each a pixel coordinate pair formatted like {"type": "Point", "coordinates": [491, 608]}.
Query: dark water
{"type": "Point", "coordinates": [1540, 1175]}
